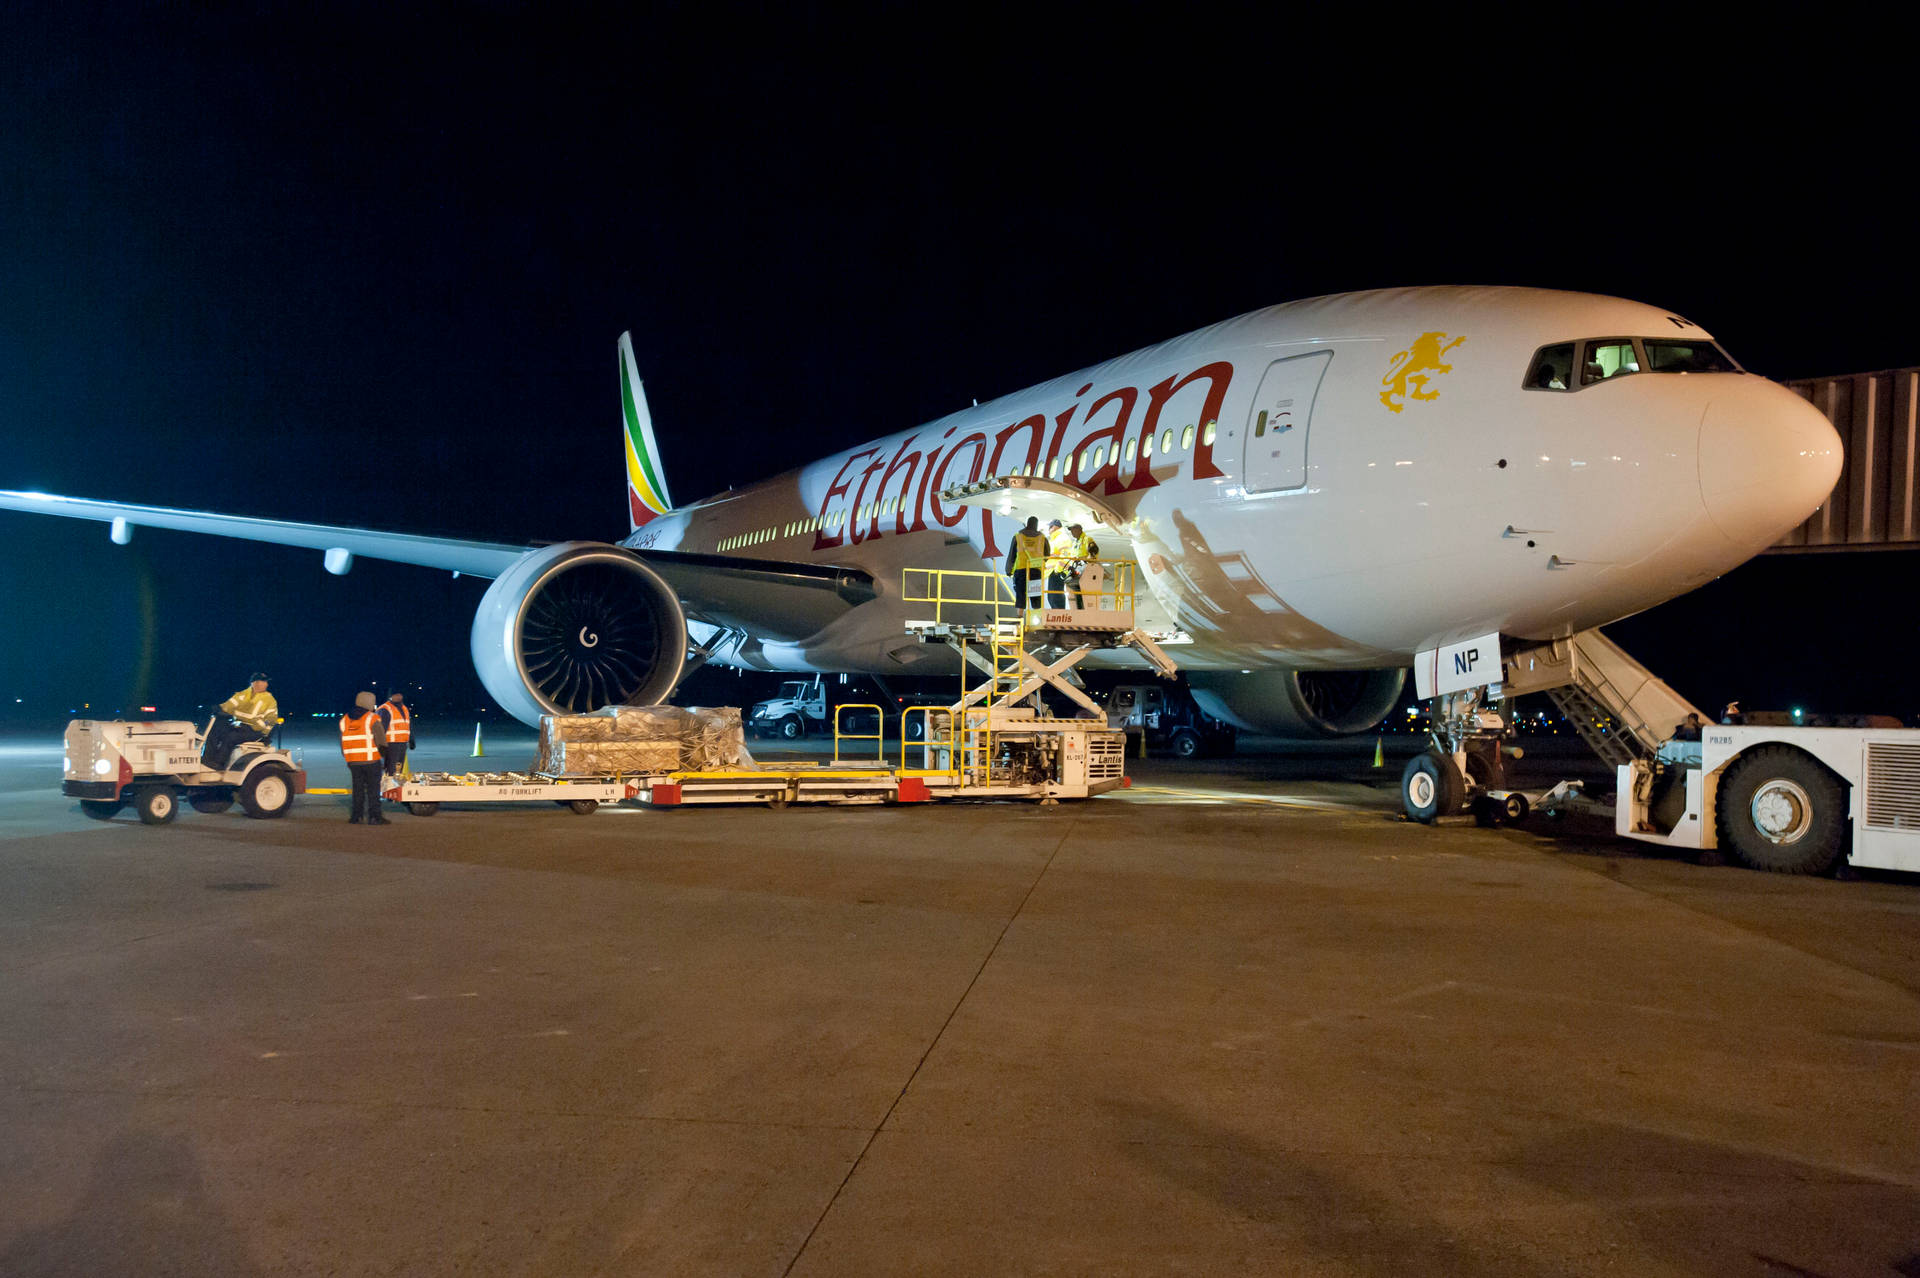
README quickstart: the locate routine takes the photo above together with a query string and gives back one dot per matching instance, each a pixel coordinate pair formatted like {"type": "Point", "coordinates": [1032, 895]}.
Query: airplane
{"type": "Point", "coordinates": [1319, 495]}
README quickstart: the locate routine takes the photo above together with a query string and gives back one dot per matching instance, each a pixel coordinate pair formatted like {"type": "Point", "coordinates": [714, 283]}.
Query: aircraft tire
{"type": "Point", "coordinates": [1431, 787]}
{"type": "Point", "coordinates": [1486, 769]}
{"type": "Point", "coordinates": [156, 804]}
{"type": "Point", "coordinates": [1781, 811]}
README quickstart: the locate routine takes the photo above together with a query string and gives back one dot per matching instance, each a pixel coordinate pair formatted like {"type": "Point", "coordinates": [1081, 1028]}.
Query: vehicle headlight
{"type": "Point", "coordinates": [102, 766]}
{"type": "Point", "coordinates": [66, 763]}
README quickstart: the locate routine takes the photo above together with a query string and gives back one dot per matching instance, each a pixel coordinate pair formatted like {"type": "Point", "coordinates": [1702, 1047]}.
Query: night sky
{"type": "Point", "coordinates": [370, 270]}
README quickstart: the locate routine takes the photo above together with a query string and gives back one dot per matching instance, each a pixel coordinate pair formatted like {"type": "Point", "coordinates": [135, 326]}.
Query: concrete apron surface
{"type": "Point", "coordinates": [1138, 1035]}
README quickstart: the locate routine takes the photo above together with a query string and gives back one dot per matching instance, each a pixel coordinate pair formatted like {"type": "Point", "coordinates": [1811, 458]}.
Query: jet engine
{"type": "Point", "coordinates": [577, 626]}
{"type": "Point", "coordinates": [1299, 703]}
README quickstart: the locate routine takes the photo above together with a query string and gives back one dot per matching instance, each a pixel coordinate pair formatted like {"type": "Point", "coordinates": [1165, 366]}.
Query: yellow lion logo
{"type": "Point", "coordinates": [1407, 379]}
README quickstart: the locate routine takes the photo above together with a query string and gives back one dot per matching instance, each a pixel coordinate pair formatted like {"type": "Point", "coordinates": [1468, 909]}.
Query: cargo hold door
{"type": "Point", "coordinates": [1276, 438]}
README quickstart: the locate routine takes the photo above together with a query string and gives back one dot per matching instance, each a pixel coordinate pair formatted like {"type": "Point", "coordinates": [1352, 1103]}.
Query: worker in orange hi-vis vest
{"type": "Point", "coordinates": [398, 721]}
{"type": "Point", "coordinates": [362, 737]}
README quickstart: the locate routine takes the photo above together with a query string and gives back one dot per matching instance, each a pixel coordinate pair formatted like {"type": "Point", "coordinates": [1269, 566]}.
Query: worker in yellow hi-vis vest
{"type": "Point", "coordinates": [1027, 563]}
{"type": "Point", "coordinates": [1058, 544]}
{"type": "Point", "coordinates": [253, 713]}
{"type": "Point", "coordinates": [1080, 550]}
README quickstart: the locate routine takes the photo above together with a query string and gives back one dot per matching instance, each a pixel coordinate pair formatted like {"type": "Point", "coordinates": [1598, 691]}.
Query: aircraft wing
{"type": "Point", "coordinates": [475, 558]}
{"type": "Point", "coordinates": [770, 599]}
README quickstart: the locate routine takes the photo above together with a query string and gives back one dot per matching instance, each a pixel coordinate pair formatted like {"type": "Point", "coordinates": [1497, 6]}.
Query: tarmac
{"type": "Point", "coordinates": [1239, 1019]}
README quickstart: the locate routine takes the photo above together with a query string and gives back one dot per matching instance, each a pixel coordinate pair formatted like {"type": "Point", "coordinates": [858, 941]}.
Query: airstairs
{"type": "Point", "coordinates": [1619, 707]}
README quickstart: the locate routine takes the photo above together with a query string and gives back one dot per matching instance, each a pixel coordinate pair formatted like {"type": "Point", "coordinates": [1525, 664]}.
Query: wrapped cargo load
{"type": "Point", "coordinates": [624, 740]}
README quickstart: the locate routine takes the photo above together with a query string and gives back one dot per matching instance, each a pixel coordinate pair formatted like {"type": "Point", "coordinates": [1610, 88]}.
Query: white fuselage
{"type": "Point", "coordinates": [1378, 479]}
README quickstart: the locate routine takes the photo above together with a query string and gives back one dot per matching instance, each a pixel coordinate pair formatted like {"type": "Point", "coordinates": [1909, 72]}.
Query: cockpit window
{"type": "Point", "coordinates": [1608, 357]}
{"type": "Point", "coordinates": [1670, 355]}
{"type": "Point", "coordinates": [1552, 368]}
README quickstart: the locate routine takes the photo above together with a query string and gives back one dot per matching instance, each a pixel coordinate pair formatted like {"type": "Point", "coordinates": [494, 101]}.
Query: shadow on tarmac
{"type": "Point", "coordinates": [146, 1207]}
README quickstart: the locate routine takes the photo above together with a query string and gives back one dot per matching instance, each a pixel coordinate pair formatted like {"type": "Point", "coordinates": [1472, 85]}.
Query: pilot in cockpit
{"type": "Point", "coordinates": [1594, 371]}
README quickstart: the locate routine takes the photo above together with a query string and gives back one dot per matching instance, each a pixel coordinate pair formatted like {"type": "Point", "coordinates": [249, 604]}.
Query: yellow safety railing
{"type": "Point", "coordinates": [878, 736]}
{"type": "Point", "coordinates": [973, 598]}
{"type": "Point", "coordinates": [1116, 591]}
{"type": "Point", "coordinates": [964, 597]}
{"type": "Point", "coordinates": [955, 588]}
{"type": "Point", "coordinates": [931, 740]}
{"type": "Point", "coordinates": [1105, 585]}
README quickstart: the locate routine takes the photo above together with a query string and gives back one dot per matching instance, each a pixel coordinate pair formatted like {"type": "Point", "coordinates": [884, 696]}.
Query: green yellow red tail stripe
{"type": "Point", "coordinates": [646, 483]}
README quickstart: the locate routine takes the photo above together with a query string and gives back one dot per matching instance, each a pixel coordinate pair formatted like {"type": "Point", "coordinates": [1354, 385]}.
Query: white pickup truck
{"type": "Point", "coordinates": [111, 763]}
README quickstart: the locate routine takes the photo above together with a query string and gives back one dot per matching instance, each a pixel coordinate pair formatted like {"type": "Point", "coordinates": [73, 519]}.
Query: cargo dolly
{"type": "Point", "coordinates": [424, 792]}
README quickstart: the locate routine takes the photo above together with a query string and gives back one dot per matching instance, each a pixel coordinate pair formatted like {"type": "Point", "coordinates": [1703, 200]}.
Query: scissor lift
{"type": "Point", "coordinates": [998, 738]}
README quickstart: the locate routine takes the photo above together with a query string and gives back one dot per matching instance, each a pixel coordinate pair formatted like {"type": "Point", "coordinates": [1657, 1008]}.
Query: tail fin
{"type": "Point", "coordinates": [646, 482]}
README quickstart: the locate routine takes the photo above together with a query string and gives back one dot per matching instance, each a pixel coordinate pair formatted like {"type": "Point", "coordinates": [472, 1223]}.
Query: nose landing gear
{"type": "Point", "coordinates": [1465, 762]}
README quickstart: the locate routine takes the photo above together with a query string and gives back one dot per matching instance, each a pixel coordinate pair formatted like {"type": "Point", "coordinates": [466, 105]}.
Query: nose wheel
{"type": "Point", "coordinates": [1432, 787]}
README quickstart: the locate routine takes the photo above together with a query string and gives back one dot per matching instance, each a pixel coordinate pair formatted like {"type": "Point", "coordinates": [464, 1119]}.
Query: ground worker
{"type": "Point", "coordinates": [362, 737]}
{"type": "Point", "coordinates": [1080, 549]}
{"type": "Point", "coordinates": [398, 721]}
{"type": "Point", "coordinates": [1027, 562]}
{"type": "Point", "coordinates": [254, 713]}
{"type": "Point", "coordinates": [1058, 542]}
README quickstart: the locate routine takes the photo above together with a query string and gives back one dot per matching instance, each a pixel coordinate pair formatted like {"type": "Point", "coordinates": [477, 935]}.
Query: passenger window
{"type": "Point", "coordinates": [1206, 436]}
{"type": "Point", "coordinates": [1552, 368]}
{"type": "Point", "coordinates": [1665, 355]}
{"type": "Point", "coordinates": [1608, 357]}
{"type": "Point", "coordinates": [1186, 437]}
{"type": "Point", "coordinates": [1166, 441]}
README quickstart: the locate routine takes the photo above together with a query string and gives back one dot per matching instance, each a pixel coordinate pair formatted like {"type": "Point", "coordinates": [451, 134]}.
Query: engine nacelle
{"type": "Point", "coordinates": [578, 626]}
{"type": "Point", "coordinates": [1299, 703]}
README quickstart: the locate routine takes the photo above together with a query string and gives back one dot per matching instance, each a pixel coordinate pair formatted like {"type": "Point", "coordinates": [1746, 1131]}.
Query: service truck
{"type": "Point", "coordinates": [1788, 799]}
{"type": "Point", "coordinates": [1167, 716]}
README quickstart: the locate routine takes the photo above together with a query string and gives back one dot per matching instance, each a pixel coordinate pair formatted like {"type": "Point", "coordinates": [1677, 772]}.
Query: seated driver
{"type": "Point", "coordinates": [253, 713]}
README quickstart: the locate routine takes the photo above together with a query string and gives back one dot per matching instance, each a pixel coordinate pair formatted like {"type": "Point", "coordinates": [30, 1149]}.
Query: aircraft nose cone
{"type": "Point", "coordinates": [1767, 459]}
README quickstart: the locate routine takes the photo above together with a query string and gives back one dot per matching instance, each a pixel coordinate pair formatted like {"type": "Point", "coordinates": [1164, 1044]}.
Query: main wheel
{"type": "Point", "coordinates": [1780, 810]}
{"type": "Point", "coordinates": [584, 807]}
{"type": "Point", "coordinates": [102, 809]}
{"type": "Point", "coordinates": [791, 728]}
{"type": "Point", "coordinates": [266, 792]}
{"type": "Point", "coordinates": [211, 802]}
{"type": "Point", "coordinates": [156, 804]}
{"type": "Point", "coordinates": [1431, 787]}
{"type": "Point", "coordinates": [1184, 744]}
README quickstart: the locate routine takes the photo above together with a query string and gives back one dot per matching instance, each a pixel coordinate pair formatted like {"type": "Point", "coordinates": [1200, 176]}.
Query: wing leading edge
{"type": "Point", "coordinates": [770, 599]}
{"type": "Point", "coordinates": [473, 558]}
